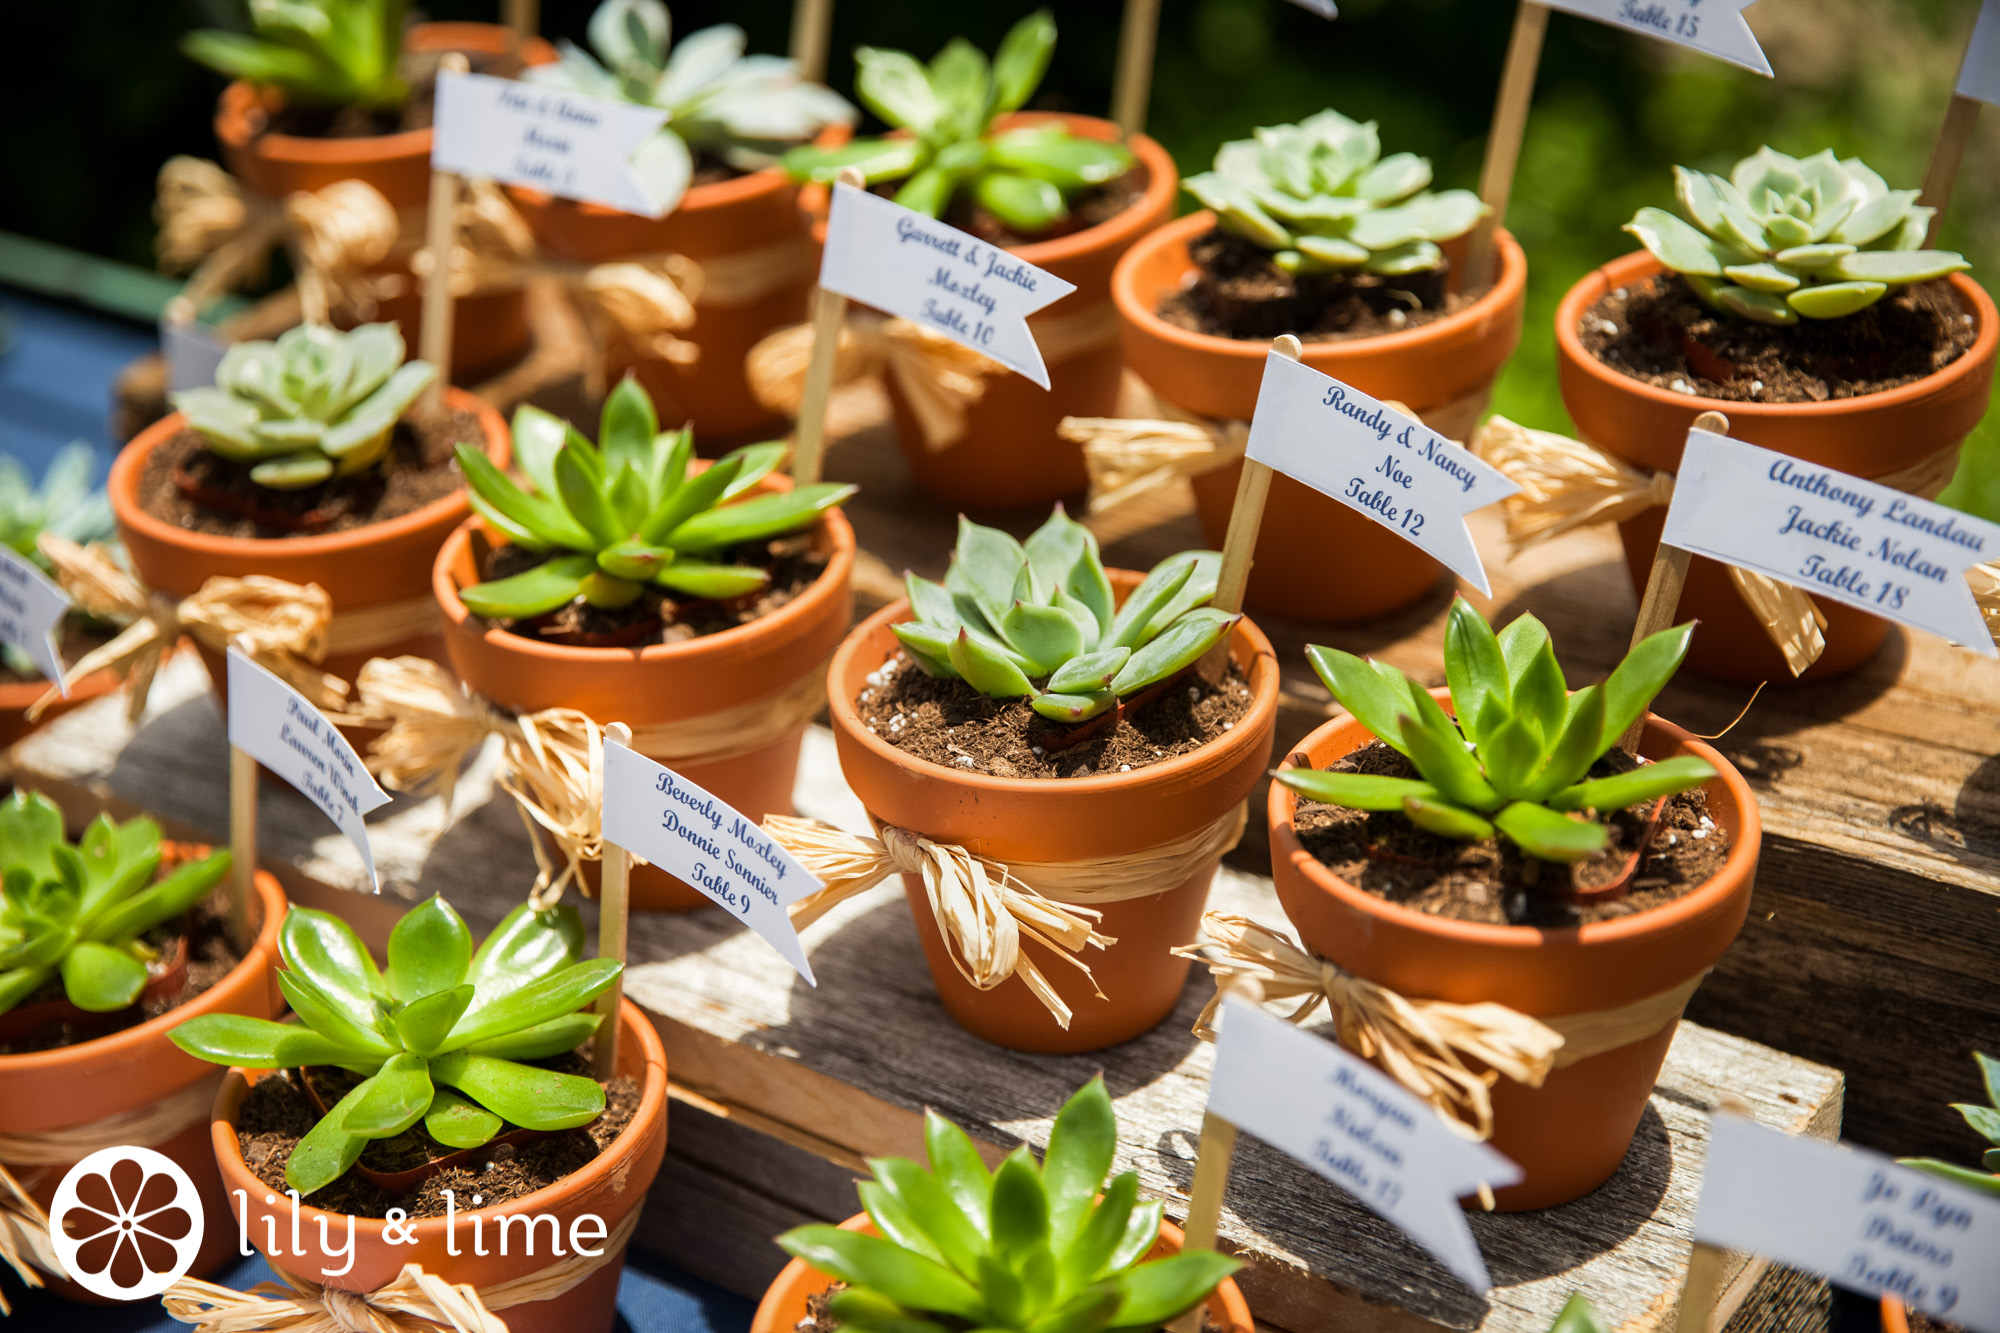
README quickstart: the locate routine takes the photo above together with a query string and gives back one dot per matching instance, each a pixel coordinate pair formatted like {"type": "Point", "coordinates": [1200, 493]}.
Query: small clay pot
{"type": "Point", "coordinates": [1569, 1135]}
{"type": "Point", "coordinates": [1870, 436]}
{"type": "Point", "coordinates": [783, 1308]}
{"type": "Point", "coordinates": [610, 1186]}
{"type": "Point", "coordinates": [1424, 368]}
{"type": "Point", "coordinates": [662, 683]}
{"type": "Point", "coordinates": [1060, 819]}
{"type": "Point", "coordinates": [489, 330]}
{"type": "Point", "coordinates": [360, 569]}
{"type": "Point", "coordinates": [126, 1071]}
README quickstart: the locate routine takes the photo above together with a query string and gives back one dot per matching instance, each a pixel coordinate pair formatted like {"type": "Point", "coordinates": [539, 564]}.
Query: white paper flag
{"type": "Point", "coordinates": [1716, 27]}
{"type": "Point", "coordinates": [1390, 467]}
{"type": "Point", "coordinates": [1357, 1127]}
{"type": "Point", "coordinates": [564, 143]}
{"type": "Point", "coordinates": [699, 838]}
{"type": "Point", "coordinates": [273, 724]}
{"type": "Point", "coordinates": [1836, 536]}
{"type": "Point", "coordinates": [1854, 1217]}
{"type": "Point", "coordinates": [32, 608]}
{"type": "Point", "coordinates": [1979, 76]}
{"type": "Point", "coordinates": [897, 260]}
{"type": "Point", "coordinates": [1326, 9]}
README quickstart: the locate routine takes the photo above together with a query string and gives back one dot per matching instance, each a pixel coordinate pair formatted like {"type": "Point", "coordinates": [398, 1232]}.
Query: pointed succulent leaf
{"type": "Point", "coordinates": [1204, 569]}
{"type": "Point", "coordinates": [1576, 749]}
{"type": "Point", "coordinates": [757, 519]}
{"type": "Point", "coordinates": [1541, 695]}
{"type": "Point", "coordinates": [698, 494]}
{"type": "Point", "coordinates": [1874, 217]}
{"type": "Point", "coordinates": [1521, 642]}
{"type": "Point", "coordinates": [1066, 161]}
{"type": "Point", "coordinates": [1974, 1180]}
{"type": "Point", "coordinates": [959, 1169]}
{"type": "Point", "coordinates": [1020, 1208]}
{"type": "Point", "coordinates": [1445, 819]}
{"type": "Point", "coordinates": [1090, 673]}
{"type": "Point", "coordinates": [328, 1149]}
{"type": "Point", "coordinates": [1078, 1159]}
{"type": "Point", "coordinates": [397, 1096]}
{"type": "Point", "coordinates": [1438, 753]}
{"type": "Point", "coordinates": [1896, 266]}
{"type": "Point", "coordinates": [1096, 1233]}
{"type": "Point", "coordinates": [987, 671]}
{"type": "Point", "coordinates": [931, 602]}
{"type": "Point", "coordinates": [1045, 635]}
{"type": "Point", "coordinates": [554, 583]}
{"type": "Point", "coordinates": [1984, 1120]}
{"type": "Point", "coordinates": [1634, 682]}
{"type": "Point", "coordinates": [1835, 300]}
{"type": "Point", "coordinates": [877, 159]}
{"type": "Point", "coordinates": [1181, 646]}
{"type": "Point", "coordinates": [553, 996]}
{"type": "Point", "coordinates": [1028, 204]}
{"type": "Point", "coordinates": [1635, 786]}
{"type": "Point", "coordinates": [1761, 277]}
{"type": "Point", "coordinates": [328, 1017]}
{"type": "Point", "coordinates": [580, 483]}
{"type": "Point", "coordinates": [1578, 1315]}
{"type": "Point", "coordinates": [538, 514]}
{"type": "Point", "coordinates": [633, 560]}
{"type": "Point", "coordinates": [1355, 791]}
{"type": "Point", "coordinates": [1811, 258]}
{"type": "Point", "coordinates": [1142, 1232]}
{"type": "Point", "coordinates": [1541, 832]}
{"type": "Point", "coordinates": [430, 950]}
{"type": "Point", "coordinates": [423, 1023]}
{"type": "Point", "coordinates": [256, 1043]}
{"type": "Point", "coordinates": [541, 1041]}
{"type": "Point", "coordinates": [695, 578]}
{"type": "Point", "coordinates": [924, 1197]}
{"type": "Point", "coordinates": [1156, 1292]}
{"type": "Point", "coordinates": [1363, 691]}
{"type": "Point", "coordinates": [1073, 707]}
{"type": "Point", "coordinates": [626, 430]}
{"type": "Point", "coordinates": [1022, 60]}
{"type": "Point", "coordinates": [930, 645]}
{"type": "Point", "coordinates": [895, 1223]}
{"type": "Point", "coordinates": [883, 1266]}
{"type": "Point", "coordinates": [1512, 756]}
{"type": "Point", "coordinates": [1763, 307]}
{"type": "Point", "coordinates": [458, 1122]}
{"type": "Point", "coordinates": [529, 1097]}
{"type": "Point", "coordinates": [1146, 602]}
{"type": "Point", "coordinates": [1473, 665]}
{"type": "Point", "coordinates": [31, 828]}
{"type": "Point", "coordinates": [176, 892]}
{"type": "Point", "coordinates": [757, 461]}
{"type": "Point", "coordinates": [1680, 247]}
{"type": "Point", "coordinates": [895, 87]}
{"type": "Point", "coordinates": [100, 979]}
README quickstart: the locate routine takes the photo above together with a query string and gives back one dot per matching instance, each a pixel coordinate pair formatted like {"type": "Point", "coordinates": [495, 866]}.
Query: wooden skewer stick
{"type": "Point", "coordinates": [1132, 86]}
{"type": "Point", "coordinates": [1704, 1271]}
{"type": "Point", "coordinates": [1212, 1158]}
{"type": "Point", "coordinates": [523, 16]}
{"type": "Point", "coordinates": [1253, 487]}
{"type": "Point", "coordinates": [1664, 584]}
{"type": "Point", "coordinates": [1503, 141]}
{"type": "Point", "coordinates": [242, 847]}
{"type": "Point", "coordinates": [812, 26]}
{"type": "Point", "coordinates": [612, 914]}
{"type": "Point", "coordinates": [441, 236]}
{"type": "Point", "coordinates": [1960, 119]}
{"type": "Point", "coordinates": [829, 310]}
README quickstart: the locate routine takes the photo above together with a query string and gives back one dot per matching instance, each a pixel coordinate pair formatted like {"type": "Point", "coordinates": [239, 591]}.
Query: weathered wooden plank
{"type": "Point", "coordinates": [785, 1087]}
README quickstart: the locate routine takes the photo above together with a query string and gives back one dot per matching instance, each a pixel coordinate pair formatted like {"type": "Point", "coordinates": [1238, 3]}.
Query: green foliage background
{"type": "Point", "coordinates": [99, 98]}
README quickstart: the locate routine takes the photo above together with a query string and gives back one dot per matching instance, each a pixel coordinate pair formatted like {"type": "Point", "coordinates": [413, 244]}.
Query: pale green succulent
{"type": "Point", "coordinates": [745, 110]}
{"type": "Point", "coordinates": [314, 404]}
{"type": "Point", "coordinates": [1321, 197]}
{"type": "Point", "coordinates": [1785, 237]}
{"type": "Point", "coordinates": [1008, 615]}
{"type": "Point", "coordinates": [325, 52]}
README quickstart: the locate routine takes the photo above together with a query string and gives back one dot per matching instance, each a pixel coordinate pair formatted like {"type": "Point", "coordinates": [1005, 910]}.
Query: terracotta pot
{"type": "Point", "coordinates": [1425, 368]}
{"type": "Point", "coordinates": [1895, 1316]}
{"type": "Point", "coordinates": [362, 569]}
{"type": "Point", "coordinates": [1060, 819]}
{"type": "Point", "coordinates": [716, 222]}
{"type": "Point", "coordinates": [126, 1071]}
{"type": "Point", "coordinates": [612, 1185]}
{"type": "Point", "coordinates": [1010, 456]}
{"type": "Point", "coordinates": [1569, 1135]}
{"type": "Point", "coordinates": [489, 330]}
{"type": "Point", "coordinates": [783, 1308]}
{"type": "Point", "coordinates": [1870, 436]}
{"type": "Point", "coordinates": [17, 698]}
{"type": "Point", "coordinates": [663, 683]}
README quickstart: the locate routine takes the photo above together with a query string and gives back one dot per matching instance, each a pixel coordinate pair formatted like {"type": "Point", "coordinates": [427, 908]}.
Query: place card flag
{"type": "Point", "coordinates": [1389, 466]}
{"type": "Point", "coordinates": [1855, 541]}
{"type": "Point", "coordinates": [1715, 27]}
{"type": "Point", "coordinates": [1979, 75]}
{"type": "Point", "coordinates": [1853, 1217]}
{"type": "Point", "coordinates": [1356, 1126]}
{"type": "Point", "coordinates": [1326, 9]}
{"type": "Point", "coordinates": [32, 608]}
{"type": "Point", "coordinates": [699, 838]}
{"type": "Point", "coordinates": [563, 143]}
{"type": "Point", "coordinates": [899, 261]}
{"type": "Point", "coordinates": [273, 724]}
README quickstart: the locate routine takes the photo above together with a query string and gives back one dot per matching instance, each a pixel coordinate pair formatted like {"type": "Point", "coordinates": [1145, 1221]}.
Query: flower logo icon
{"type": "Point", "coordinates": [126, 1223]}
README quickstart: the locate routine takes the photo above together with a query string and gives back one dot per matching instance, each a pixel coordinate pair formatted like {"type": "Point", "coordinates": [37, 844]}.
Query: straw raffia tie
{"type": "Point", "coordinates": [282, 626]}
{"type": "Point", "coordinates": [414, 1302]}
{"type": "Point", "coordinates": [985, 907]}
{"type": "Point", "coordinates": [938, 378]}
{"type": "Point", "coordinates": [24, 1237]}
{"type": "Point", "coordinates": [552, 760]}
{"type": "Point", "coordinates": [336, 235]}
{"type": "Point", "coordinates": [1423, 1044]}
{"type": "Point", "coordinates": [1132, 457]}
{"type": "Point", "coordinates": [1568, 484]}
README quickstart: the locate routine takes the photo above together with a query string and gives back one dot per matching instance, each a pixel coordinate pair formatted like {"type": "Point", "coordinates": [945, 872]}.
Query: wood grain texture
{"type": "Point", "coordinates": [784, 1088]}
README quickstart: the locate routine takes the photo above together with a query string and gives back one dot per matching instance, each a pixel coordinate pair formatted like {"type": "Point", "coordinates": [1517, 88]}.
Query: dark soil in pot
{"type": "Point", "coordinates": [1660, 332]}
{"type": "Point", "coordinates": [185, 484]}
{"type": "Point", "coordinates": [821, 1319]}
{"type": "Point", "coordinates": [659, 616]}
{"type": "Point", "coordinates": [80, 635]}
{"type": "Point", "coordinates": [277, 1112]}
{"type": "Point", "coordinates": [210, 957]}
{"type": "Point", "coordinates": [1239, 293]}
{"type": "Point", "coordinates": [1098, 204]}
{"type": "Point", "coordinates": [952, 725]}
{"type": "Point", "coordinates": [1386, 855]}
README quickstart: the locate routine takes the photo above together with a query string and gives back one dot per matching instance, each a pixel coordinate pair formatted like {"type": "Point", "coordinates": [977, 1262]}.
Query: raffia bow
{"type": "Point", "coordinates": [1568, 484]}
{"type": "Point", "coordinates": [414, 1302]}
{"type": "Point", "coordinates": [985, 907]}
{"type": "Point", "coordinates": [282, 626]}
{"type": "Point", "coordinates": [336, 235]}
{"type": "Point", "coordinates": [939, 379]}
{"type": "Point", "coordinates": [24, 1237]}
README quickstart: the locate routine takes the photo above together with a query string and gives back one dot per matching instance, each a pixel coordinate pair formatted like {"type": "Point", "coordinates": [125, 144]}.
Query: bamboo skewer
{"type": "Point", "coordinates": [829, 311]}
{"type": "Point", "coordinates": [1132, 84]}
{"type": "Point", "coordinates": [441, 235]}
{"type": "Point", "coordinates": [613, 913]}
{"type": "Point", "coordinates": [1212, 1159]}
{"type": "Point", "coordinates": [1503, 141]}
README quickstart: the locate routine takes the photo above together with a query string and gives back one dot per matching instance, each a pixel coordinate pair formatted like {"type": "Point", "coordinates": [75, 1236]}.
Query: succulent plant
{"type": "Point", "coordinates": [66, 503]}
{"type": "Point", "coordinates": [317, 403]}
{"type": "Point", "coordinates": [1985, 1122]}
{"type": "Point", "coordinates": [627, 512]}
{"type": "Point", "coordinates": [1025, 177]}
{"type": "Point", "coordinates": [328, 52]}
{"type": "Point", "coordinates": [745, 110]}
{"type": "Point", "coordinates": [1513, 761]}
{"type": "Point", "coordinates": [1021, 1247]}
{"type": "Point", "coordinates": [440, 1033]}
{"type": "Point", "coordinates": [1578, 1315]}
{"type": "Point", "coordinates": [1321, 197]}
{"type": "Point", "coordinates": [1008, 615]}
{"type": "Point", "coordinates": [78, 911]}
{"type": "Point", "coordinates": [1784, 237]}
